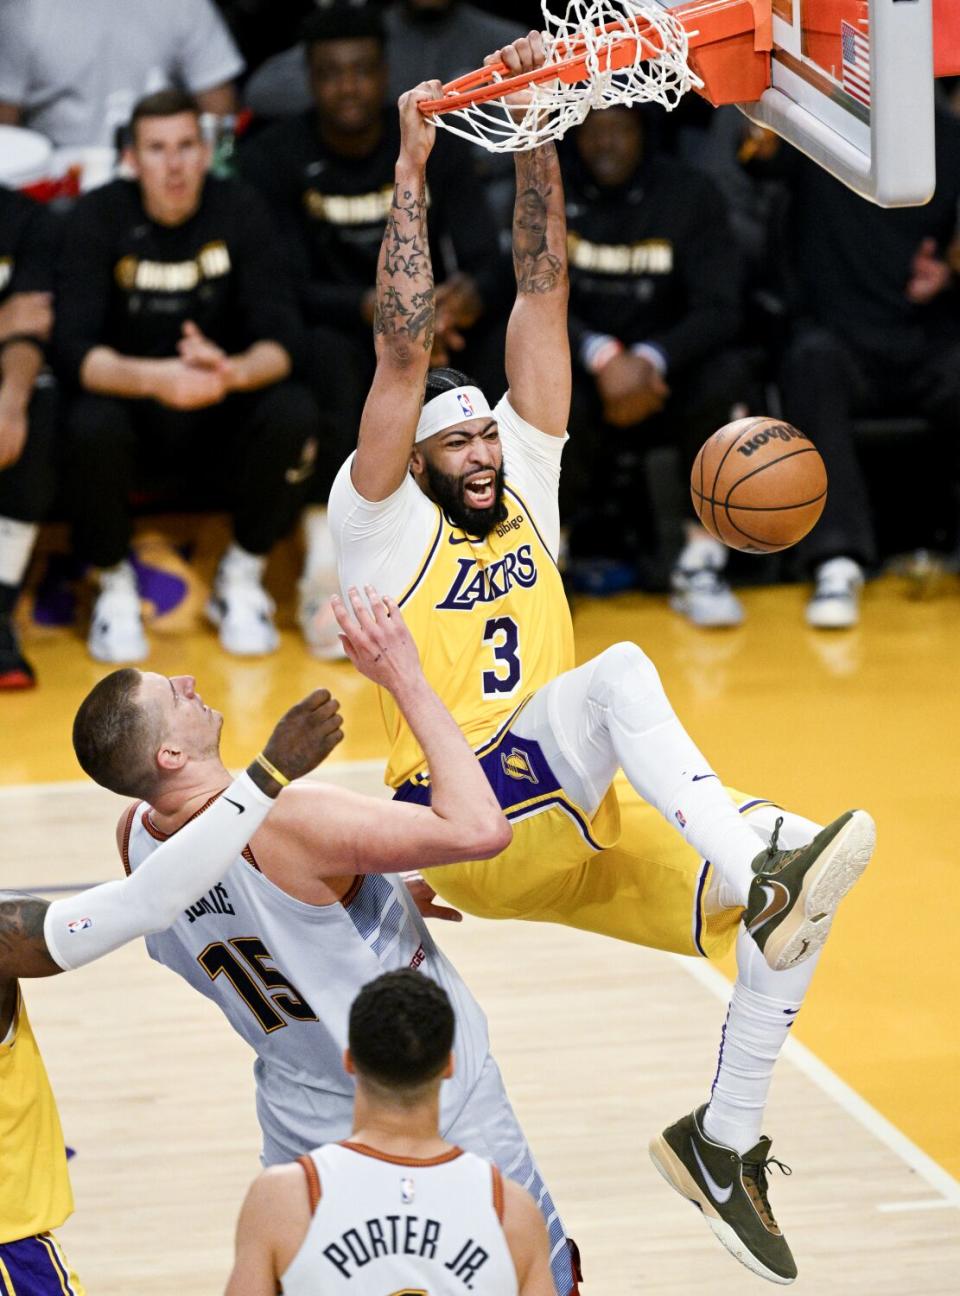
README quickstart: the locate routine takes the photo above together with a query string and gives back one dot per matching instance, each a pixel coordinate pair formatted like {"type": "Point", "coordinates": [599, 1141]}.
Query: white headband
{"type": "Point", "coordinates": [449, 408]}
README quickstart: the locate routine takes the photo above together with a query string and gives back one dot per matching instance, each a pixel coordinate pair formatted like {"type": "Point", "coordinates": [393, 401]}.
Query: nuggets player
{"type": "Point", "coordinates": [452, 508]}
{"type": "Point", "coordinates": [39, 938]}
{"type": "Point", "coordinates": [315, 908]}
{"type": "Point", "coordinates": [395, 1207]}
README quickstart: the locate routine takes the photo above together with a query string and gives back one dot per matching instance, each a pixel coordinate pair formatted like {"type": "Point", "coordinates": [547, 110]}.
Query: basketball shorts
{"type": "Point", "coordinates": [622, 872]}
{"type": "Point", "coordinates": [36, 1266]}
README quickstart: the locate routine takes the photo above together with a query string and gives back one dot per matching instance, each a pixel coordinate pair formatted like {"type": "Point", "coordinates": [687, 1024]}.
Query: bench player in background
{"type": "Point", "coordinates": [452, 508]}
{"type": "Point", "coordinates": [40, 938]}
{"type": "Point", "coordinates": [396, 1204]}
{"type": "Point", "coordinates": [315, 908]}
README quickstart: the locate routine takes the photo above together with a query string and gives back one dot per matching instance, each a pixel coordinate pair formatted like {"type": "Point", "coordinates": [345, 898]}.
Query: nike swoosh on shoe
{"type": "Point", "coordinates": [778, 898]}
{"type": "Point", "coordinates": [720, 1195]}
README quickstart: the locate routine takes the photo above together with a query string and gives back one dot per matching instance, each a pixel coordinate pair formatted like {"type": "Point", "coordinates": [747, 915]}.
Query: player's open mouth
{"type": "Point", "coordinates": [479, 491]}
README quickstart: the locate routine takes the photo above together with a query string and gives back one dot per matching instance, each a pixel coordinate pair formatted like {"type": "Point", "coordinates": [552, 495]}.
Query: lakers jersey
{"type": "Point", "coordinates": [489, 616]}
{"type": "Point", "coordinates": [35, 1194]}
{"type": "Point", "coordinates": [387, 1225]}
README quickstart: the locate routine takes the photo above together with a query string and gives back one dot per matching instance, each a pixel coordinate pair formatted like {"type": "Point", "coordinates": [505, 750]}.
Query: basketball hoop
{"type": "Point", "coordinates": [600, 53]}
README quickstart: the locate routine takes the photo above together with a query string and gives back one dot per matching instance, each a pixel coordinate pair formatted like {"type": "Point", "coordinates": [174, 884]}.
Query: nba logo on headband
{"type": "Point", "coordinates": [465, 405]}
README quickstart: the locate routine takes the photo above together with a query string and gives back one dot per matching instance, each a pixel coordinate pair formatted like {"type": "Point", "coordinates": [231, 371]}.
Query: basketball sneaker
{"type": "Point", "coordinates": [731, 1192]}
{"type": "Point", "coordinates": [15, 671]}
{"type": "Point", "coordinates": [795, 893]}
{"type": "Point", "coordinates": [835, 602]}
{"type": "Point", "coordinates": [705, 598]}
{"type": "Point", "coordinates": [240, 607]}
{"type": "Point", "coordinates": [316, 620]}
{"type": "Point", "coordinates": [116, 626]}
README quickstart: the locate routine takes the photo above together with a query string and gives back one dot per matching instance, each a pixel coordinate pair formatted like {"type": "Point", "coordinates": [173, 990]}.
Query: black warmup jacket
{"type": "Point", "coordinates": [333, 210]}
{"type": "Point", "coordinates": [28, 242]}
{"type": "Point", "coordinates": [126, 282]}
{"type": "Point", "coordinates": [653, 261]}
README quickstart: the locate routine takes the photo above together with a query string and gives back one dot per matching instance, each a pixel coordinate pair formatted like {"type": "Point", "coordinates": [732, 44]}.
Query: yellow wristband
{"type": "Point", "coordinates": [272, 771]}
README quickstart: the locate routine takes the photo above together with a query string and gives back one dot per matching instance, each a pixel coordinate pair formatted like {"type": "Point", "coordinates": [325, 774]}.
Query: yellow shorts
{"type": "Point", "coordinates": [626, 873]}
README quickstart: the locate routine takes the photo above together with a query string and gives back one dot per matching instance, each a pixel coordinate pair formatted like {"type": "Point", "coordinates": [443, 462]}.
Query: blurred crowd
{"type": "Point", "coordinates": [187, 317]}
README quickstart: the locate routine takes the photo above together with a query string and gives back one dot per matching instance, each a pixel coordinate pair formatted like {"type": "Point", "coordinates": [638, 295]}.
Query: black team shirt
{"type": "Point", "coordinates": [129, 283]}
{"type": "Point", "coordinates": [27, 245]}
{"type": "Point", "coordinates": [333, 210]}
{"type": "Point", "coordinates": [652, 261]}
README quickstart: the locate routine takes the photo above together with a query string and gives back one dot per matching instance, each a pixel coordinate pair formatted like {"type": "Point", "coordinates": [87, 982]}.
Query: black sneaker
{"type": "Point", "coordinates": [15, 671]}
{"type": "Point", "coordinates": [731, 1192]}
{"type": "Point", "coordinates": [795, 894]}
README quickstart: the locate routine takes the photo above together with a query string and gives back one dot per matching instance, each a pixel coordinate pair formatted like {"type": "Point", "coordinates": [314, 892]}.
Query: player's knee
{"type": "Point", "coordinates": [626, 674]}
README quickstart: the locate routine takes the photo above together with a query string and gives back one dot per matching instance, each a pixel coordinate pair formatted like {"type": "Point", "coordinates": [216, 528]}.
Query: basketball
{"type": "Point", "coordinates": [758, 484]}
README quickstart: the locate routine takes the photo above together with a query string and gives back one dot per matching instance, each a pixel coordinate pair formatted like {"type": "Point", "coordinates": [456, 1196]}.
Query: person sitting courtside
{"type": "Point", "coordinates": [177, 327]}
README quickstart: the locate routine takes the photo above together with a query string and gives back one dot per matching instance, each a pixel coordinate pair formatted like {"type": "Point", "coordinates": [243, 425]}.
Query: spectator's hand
{"type": "Point", "coordinates": [197, 351]}
{"type": "Point", "coordinates": [376, 639]}
{"type": "Point", "coordinates": [305, 735]}
{"type": "Point", "coordinates": [458, 306]}
{"type": "Point", "coordinates": [417, 132]}
{"type": "Point", "coordinates": [631, 389]}
{"type": "Point", "coordinates": [29, 313]}
{"type": "Point", "coordinates": [185, 387]}
{"type": "Point", "coordinates": [424, 895]}
{"type": "Point", "coordinates": [13, 430]}
{"type": "Point", "coordinates": [758, 145]}
{"type": "Point", "coordinates": [368, 306]}
{"type": "Point", "coordinates": [930, 275]}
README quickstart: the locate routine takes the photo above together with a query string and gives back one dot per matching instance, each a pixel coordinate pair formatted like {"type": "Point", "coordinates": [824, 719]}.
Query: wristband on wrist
{"type": "Point", "coordinates": [598, 349]}
{"type": "Point", "coordinates": [272, 770]}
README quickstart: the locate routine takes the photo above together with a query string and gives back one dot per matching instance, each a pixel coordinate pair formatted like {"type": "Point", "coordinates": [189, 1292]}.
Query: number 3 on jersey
{"type": "Point", "coordinates": [504, 637]}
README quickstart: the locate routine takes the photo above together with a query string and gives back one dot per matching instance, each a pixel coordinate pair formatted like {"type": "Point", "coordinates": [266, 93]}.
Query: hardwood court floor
{"type": "Point", "coordinates": [601, 1044]}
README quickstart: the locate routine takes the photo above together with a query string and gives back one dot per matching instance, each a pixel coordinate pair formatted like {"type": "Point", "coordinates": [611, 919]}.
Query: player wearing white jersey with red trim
{"type": "Point", "coordinates": [314, 908]}
{"type": "Point", "coordinates": [396, 1207]}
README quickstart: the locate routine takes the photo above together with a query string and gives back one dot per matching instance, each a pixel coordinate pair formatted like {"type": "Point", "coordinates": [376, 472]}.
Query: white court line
{"type": "Point", "coordinates": [928, 1203]}
{"type": "Point", "coordinates": [851, 1102]}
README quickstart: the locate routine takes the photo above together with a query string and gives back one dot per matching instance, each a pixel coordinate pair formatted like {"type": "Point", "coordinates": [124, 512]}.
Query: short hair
{"type": "Point", "coordinates": [343, 20]}
{"type": "Point", "coordinates": [442, 380]}
{"type": "Point", "coordinates": [401, 1030]}
{"type": "Point", "coordinates": [162, 103]}
{"type": "Point", "coordinates": [114, 736]}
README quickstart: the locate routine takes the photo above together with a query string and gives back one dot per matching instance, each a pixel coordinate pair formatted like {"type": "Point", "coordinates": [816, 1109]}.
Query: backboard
{"type": "Point", "coordinates": [851, 84]}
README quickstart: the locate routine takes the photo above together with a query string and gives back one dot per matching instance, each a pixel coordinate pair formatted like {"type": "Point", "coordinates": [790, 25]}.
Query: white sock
{"type": "Point", "coordinates": [16, 546]}
{"type": "Point", "coordinates": [236, 561]}
{"type": "Point", "coordinates": [763, 1007]}
{"type": "Point", "coordinates": [665, 766]}
{"type": "Point", "coordinates": [700, 551]}
{"type": "Point", "coordinates": [320, 560]}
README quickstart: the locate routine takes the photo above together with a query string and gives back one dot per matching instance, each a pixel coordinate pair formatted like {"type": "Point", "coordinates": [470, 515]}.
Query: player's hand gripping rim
{"type": "Point", "coordinates": [376, 638]}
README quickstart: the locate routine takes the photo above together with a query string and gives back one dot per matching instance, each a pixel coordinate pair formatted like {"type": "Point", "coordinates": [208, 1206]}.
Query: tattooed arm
{"type": "Point", "coordinates": [538, 348]}
{"type": "Point", "coordinates": [23, 950]}
{"type": "Point", "coordinates": [403, 322]}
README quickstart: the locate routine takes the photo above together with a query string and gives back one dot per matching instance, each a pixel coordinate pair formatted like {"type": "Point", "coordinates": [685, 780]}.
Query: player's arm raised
{"type": "Point", "coordinates": [40, 938]}
{"type": "Point", "coordinates": [403, 325]}
{"type": "Point", "coordinates": [347, 833]}
{"type": "Point", "coordinates": [538, 347]}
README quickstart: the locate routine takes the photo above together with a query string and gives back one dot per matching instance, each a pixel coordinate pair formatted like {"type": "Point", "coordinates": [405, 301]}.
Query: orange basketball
{"type": "Point", "coordinates": [758, 484]}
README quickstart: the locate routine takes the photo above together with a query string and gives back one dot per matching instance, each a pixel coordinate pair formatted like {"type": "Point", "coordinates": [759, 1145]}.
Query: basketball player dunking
{"type": "Point", "coordinates": [452, 508]}
{"type": "Point", "coordinates": [395, 1207]}
{"type": "Point", "coordinates": [315, 909]}
{"type": "Point", "coordinates": [40, 938]}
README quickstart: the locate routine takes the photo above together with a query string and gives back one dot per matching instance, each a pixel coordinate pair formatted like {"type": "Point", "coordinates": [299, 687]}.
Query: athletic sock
{"type": "Point", "coordinates": [665, 766]}
{"type": "Point", "coordinates": [763, 1007]}
{"type": "Point", "coordinates": [16, 546]}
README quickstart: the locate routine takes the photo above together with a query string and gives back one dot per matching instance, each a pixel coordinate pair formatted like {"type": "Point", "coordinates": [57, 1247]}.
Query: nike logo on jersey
{"type": "Point", "coordinates": [474, 584]}
{"type": "Point", "coordinates": [719, 1195]}
{"type": "Point", "coordinates": [697, 777]}
{"type": "Point", "coordinates": [239, 808]}
{"type": "Point", "coordinates": [777, 897]}
{"type": "Point", "coordinates": [463, 539]}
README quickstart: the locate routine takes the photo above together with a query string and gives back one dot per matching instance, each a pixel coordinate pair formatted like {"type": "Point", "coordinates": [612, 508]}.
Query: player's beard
{"type": "Point", "coordinates": [450, 493]}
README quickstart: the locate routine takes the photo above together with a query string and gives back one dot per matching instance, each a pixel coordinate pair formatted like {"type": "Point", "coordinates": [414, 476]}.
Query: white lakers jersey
{"type": "Point", "coordinates": [409, 1227]}
{"type": "Point", "coordinates": [285, 974]}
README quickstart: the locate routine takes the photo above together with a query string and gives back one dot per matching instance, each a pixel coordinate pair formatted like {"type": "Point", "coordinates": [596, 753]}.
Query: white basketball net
{"type": "Point", "coordinates": [548, 109]}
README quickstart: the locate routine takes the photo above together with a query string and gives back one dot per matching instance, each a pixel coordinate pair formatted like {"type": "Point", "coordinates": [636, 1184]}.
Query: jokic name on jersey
{"type": "Point", "coordinates": [475, 584]}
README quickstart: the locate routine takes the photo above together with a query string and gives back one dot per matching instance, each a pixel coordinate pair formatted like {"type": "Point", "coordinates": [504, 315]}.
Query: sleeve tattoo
{"type": "Point", "coordinates": [23, 949]}
{"type": "Point", "coordinates": [538, 270]}
{"type": "Point", "coordinates": [404, 312]}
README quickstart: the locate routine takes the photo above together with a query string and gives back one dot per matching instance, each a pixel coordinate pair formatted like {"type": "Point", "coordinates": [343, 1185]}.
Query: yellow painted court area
{"type": "Point", "coordinates": [817, 721]}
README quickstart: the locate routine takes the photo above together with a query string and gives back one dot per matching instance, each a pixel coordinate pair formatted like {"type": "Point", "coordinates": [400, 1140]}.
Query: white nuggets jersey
{"type": "Point", "coordinates": [411, 1228]}
{"type": "Point", "coordinates": [285, 974]}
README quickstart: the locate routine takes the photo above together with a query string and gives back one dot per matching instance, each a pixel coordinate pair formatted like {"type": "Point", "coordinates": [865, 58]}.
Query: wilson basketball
{"type": "Point", "coordinates": [758, 484]}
